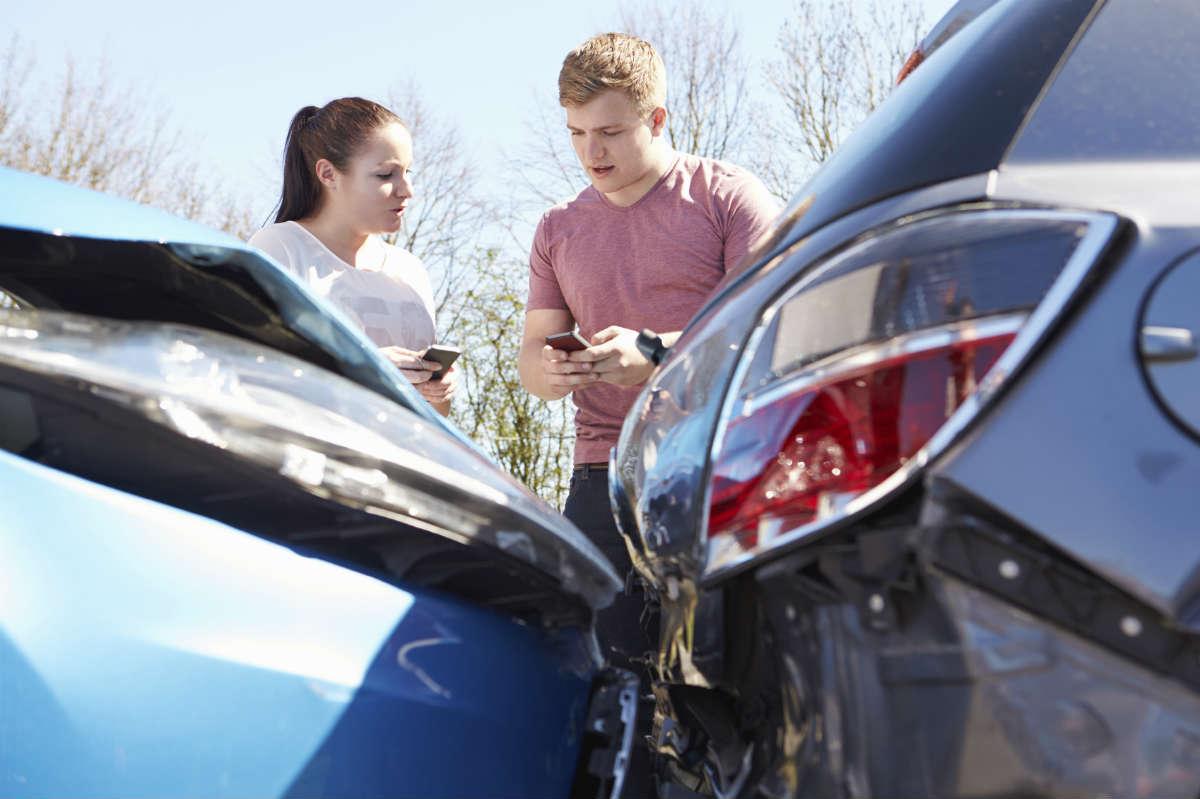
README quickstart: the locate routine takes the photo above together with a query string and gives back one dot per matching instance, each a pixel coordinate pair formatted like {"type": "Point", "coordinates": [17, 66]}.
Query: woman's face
{"type": "Point", "coordinates": [373, 191]}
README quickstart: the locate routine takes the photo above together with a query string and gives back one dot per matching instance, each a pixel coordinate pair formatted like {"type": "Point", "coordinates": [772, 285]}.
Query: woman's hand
{"type": "Point", "coordinates": [416, 369]}
{"type": "Point", "coordinates": [419, 372]}
{"type": "Point", "coordinates": [438, 393]}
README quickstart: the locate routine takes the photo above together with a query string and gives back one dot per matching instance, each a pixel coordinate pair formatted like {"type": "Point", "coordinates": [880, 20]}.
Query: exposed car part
{"type": "Point", "coordinates": [608, 735]}
{"type": "Point", "coordinates": [228, 289]}
{"type": "Point", "coordinates": [298, 454]}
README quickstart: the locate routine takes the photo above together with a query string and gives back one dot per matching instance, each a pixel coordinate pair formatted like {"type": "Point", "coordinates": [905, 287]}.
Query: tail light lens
{"type": "Point", "coordinates": [876, 359]}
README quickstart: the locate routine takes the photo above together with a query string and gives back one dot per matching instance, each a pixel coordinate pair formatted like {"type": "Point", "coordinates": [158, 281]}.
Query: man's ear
{"type": "Point", "coordinates": [327, 173]}
{"type": "Point", "coordinates": [658, 120]}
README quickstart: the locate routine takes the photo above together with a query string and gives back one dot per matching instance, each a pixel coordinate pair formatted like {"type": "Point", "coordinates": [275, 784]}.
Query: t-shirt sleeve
{"type": "Point", "coordinates": [545, 294]}
{"type": "Point", "coordinates": [273, 244]}
{"type": "Point", "coordinates": [750, 211]}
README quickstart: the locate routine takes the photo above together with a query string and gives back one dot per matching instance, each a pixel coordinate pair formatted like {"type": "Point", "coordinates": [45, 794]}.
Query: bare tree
{"type": "Point", "coordinates": [530, 438]}
{"type": "Point", "coordinates": [708, 98]}
{"type": "Point", "coordinates": [546, 165]}
{"type": "Point", "coordinates": [88, 129]}
{"type": "Point", "coordinates": [480, 292]}
{"type": "Point", "coordinates": [450, 212]}
{"type": "Point", "coordinates": [834, 66]}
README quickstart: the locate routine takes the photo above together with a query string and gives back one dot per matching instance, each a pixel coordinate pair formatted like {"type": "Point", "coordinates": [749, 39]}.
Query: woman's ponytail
{"type": "Point", "coordinates": [301, 193]}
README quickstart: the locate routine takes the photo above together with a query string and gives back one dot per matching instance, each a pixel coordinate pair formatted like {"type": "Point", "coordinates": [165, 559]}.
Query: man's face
{"type": "Point", "coordinates": [614, 144]}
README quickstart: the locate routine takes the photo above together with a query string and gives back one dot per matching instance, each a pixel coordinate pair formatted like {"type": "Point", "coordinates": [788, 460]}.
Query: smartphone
{"type": "Point", "coordinates": [444, 354]}
{"type": "Point", "coordinates": [570, 341]}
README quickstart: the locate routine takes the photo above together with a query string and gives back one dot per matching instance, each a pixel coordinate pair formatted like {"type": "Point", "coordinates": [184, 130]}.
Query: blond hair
{"type": "Point", "coordinates": [614, 61]}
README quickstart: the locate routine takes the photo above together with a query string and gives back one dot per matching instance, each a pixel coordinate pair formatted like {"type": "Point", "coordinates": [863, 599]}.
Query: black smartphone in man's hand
{"type": "Point", "coordinates": [570, 341]}
{"type": "Point", "coordinates": [443, 354]}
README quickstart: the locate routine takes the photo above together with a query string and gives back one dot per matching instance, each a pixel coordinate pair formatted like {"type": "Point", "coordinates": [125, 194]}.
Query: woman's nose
{"type": "Point", "coordinates": [404, 187]}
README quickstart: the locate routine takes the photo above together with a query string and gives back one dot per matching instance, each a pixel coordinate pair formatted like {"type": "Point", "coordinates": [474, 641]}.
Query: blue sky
{"type": "Point", "coordinates": [231, 74]}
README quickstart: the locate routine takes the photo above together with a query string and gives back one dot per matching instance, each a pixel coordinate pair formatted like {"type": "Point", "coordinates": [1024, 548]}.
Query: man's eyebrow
{"type": "Point", "coordinates": [609, 126]}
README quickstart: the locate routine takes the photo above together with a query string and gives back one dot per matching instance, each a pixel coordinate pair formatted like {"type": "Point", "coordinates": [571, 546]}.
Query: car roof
{"type": "Point", "coordinates": [41, 204]}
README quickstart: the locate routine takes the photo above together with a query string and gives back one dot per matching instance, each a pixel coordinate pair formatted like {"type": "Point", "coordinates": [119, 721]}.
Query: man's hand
{"type": "Point", "coordinates": [614, 357]}
{"type": "Point", "coordinates": [563, 374]}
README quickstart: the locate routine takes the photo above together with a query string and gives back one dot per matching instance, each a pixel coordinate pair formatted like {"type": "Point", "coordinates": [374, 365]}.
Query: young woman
{"type": "Point", "coordinates": [346, 180]}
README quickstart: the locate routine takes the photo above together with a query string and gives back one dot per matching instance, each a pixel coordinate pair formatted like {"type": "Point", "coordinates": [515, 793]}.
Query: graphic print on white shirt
{"type": "Point", "coordinates": [393, 305]}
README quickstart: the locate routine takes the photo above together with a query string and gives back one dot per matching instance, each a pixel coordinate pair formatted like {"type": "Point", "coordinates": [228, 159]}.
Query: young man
{"type": "Point", "coordinates": [643, 246]}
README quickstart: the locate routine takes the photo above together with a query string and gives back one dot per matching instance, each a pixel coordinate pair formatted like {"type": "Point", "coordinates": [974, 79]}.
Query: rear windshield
{"type": "Point", "coordinates": [1128, 91]}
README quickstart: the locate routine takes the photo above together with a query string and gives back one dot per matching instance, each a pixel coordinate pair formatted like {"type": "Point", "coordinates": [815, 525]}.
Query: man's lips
{"type": "Point", "coordinates": [601, 171]}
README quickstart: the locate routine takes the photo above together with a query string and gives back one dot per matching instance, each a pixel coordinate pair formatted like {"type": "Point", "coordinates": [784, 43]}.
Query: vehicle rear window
{"type": "Point", "coordinates": [1128, 91]}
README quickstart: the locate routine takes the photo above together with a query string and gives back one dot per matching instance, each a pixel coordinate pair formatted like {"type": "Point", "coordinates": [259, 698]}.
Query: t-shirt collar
{"type": "Point", "coordinates": [658, 183]}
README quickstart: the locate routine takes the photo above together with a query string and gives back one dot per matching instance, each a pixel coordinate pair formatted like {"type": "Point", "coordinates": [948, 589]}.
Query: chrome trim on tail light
{"type": "Point", "coordinates": [724, 558]}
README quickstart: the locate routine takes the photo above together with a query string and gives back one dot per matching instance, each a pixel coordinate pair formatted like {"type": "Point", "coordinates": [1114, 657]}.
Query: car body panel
{"type": "Point", "coordinates": [151, 652]}
{"type": "Point", "coordinates": [1083, 417]}
{"type": "Point", "coordinates": [1091, 381]}
{"type": "Point", "coordinates": [32, 202]}
{"type": "Point", "coordinates": [1124, 94]}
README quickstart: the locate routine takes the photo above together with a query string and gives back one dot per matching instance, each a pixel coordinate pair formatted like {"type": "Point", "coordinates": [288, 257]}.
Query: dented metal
{"type": "Point", "coordinates": [323, 433]}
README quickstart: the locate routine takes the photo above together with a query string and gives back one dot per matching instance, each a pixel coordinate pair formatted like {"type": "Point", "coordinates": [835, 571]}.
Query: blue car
{"type": "Point", "coordinates": [240, 556]}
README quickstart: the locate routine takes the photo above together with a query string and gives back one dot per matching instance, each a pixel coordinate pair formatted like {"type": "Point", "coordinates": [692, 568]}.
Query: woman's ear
{"type": "Point", "coordinates": [327, 173]}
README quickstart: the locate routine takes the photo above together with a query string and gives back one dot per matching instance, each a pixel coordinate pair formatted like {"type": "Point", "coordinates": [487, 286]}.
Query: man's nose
{"type": "Point", "coordinates": [595, 148]}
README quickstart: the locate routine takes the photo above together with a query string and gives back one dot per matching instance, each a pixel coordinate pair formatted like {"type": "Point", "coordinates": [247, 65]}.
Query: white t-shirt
{"type": "Point", "coordinates": [392, 301]}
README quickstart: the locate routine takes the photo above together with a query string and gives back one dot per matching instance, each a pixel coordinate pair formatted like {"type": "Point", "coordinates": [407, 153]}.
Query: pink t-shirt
{"type": "Point", "coordinates": [651, 264]}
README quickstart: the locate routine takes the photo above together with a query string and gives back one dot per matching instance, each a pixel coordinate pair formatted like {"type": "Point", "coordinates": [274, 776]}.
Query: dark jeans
{"type": "Point", "coordinates": [627, 631]}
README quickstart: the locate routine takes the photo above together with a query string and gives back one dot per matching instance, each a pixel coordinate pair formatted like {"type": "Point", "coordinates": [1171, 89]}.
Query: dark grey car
{"type": "Point", "coordinates": [919, 494]}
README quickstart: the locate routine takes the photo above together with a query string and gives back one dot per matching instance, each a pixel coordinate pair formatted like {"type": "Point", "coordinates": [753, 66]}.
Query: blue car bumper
{"type": "Point", "coordinates": [145, 651]}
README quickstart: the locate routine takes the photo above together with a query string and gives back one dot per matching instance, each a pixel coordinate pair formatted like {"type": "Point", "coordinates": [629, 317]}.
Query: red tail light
{"type": "Point", "coordinates": [875, 359]}
{"type": "Point", "coordinates": [841, 437]}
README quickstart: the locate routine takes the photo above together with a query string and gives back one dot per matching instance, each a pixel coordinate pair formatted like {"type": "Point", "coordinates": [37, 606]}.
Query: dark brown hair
{"type": "Point", "coordinates": [334, 132]}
